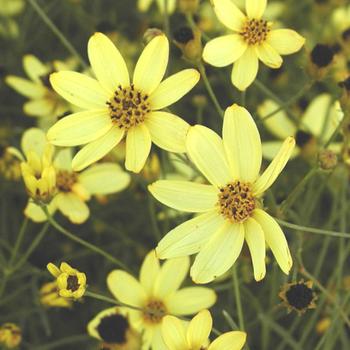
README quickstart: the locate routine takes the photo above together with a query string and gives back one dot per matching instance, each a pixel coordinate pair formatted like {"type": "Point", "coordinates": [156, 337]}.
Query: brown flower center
{"type": "Point", "coordinates": [236, 201]}
{"type": "Point", "coordinates": [128, 107]}
{"type": "Point", "coordinates": [65, 180]}
{"type": "Point", "coordinates": [72, 283]}
{"type": "Point", "coordinates": [255, 31]}
{"type": "Point", "coordinates": [154, 311]}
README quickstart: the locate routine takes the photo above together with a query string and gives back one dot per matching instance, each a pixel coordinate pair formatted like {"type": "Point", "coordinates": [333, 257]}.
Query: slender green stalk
{"type": "Point", "coordinates": [238, 298]}
{"type": "Point", "coordinates": [166, 18]}
{"type": "Point", "coordinates": [63, 342]}
{"type": "Point", "coordinates": [19, 240]}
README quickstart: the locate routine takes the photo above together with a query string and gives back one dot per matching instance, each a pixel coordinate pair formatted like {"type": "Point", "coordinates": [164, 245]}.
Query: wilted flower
{"type": "Point", "coordinates": [10, 335]}
{"type": "Point", "coordinates": [50, 297]}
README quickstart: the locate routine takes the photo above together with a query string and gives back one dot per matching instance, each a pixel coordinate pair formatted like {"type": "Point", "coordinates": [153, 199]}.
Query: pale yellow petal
{"type": "Point", "coordinates": [255, 238]}
{"type": "Point", "coordinates": [242, 144]}
{"type": "Point", "coordinates": [255, 8]}
{"type": "Point", "coordinates": [39, 107]}
{"type": "Point", "coordinates": [107, 63]}
{"type": "Point", "coordinates": [224, 50]}
{"type": "Point", "coordinates": [245, 69]}
{"type": "Point", "coordinates": [25, 87]}
{"type": "Point", "coordinates": [275, 239]}
{"type": "Point", "coordinates": [199, 329]}
{"type": "Point", "coordinates": [138, 146]}
{"type": "Point", "coordinates": [80, 128]}
{"type": "Point", "coordinates": [143, 5]}
{"type": "Point", "coordinates": [157, 339]}
{"type": "Point", "coordinates": [95, 150]}
{"type": "Point", "coordinates": [33, 140]}
{"type": "Point", "coordinates": [171, 6]}
{"type": "Point", "coordinates": [285, 41]}
{"type": "Point", "coordinates": [229, 14]}
{"type": "Point", "coordinates": [268, 55]}
{"type": "Point", "coordinates": [189, 237]}
{"type": "Point", "coordinates": [218, 254]}
{"type": "Point", "coordinates": [35, 212]}
{"type": "Point", "coordinates": [72, 207]}
{"type": "Point", "coordinates": [126, 288]}
{"type": "Point", "coordinates": [149, 271]}
{"type": "Point", "coordinates": [269, 176]}
{"type": "Point", "coordinates": [151, 66]}
{"type": "Point", "coordinates": [229, 341]}
{"type": "Point", "coordinates": [79, 89]}
{"type": "Point", "coordinates": [173, 332]}
{"type": "Point", "coordinates": [173, 88]}
{"type": "Point", "coordinates": [34, 68]}
{"type": "Point", "coordinates": [63, 159]}
{"type": "Point", "coordinates": [185, 195]}
{"type": "Point", "coordinates": [206, 150]}
{"type": "Point", "coordinates": [168, 131]}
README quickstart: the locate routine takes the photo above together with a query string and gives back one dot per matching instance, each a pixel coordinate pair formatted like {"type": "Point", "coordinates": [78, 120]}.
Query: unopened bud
{"type": "Point", "coordinates": [189, 42]}
{"type": "Point", "coordinates": [150, 34]}
{"type": "Point", "coordinates": [327, 159]}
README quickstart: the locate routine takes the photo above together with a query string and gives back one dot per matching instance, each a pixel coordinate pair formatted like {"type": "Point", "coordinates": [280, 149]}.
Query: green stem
{"type": "Point", "coordinates": [238, 298]}
{"type": "Point", "coordinates": [63, 342]}
{"type": "Point", "coordinates": [166, 19]}
{"type": "Point", "coordinates": [19, 240]}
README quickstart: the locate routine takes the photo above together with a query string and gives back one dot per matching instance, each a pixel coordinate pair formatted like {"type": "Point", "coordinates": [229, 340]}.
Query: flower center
{"type": "Point", "coordinates": [236, 201]}
{"type": "Point", "coordinates": [299, 296]}
{"type": "Point", "coordinates": [65, 180]}
{"type": "Point", "coordinates": [255, 31]}
{"type": "Point", "coordinates": [72, 283]}
{"type": "Point", "coordinates": [154, 311]}
{"type": "Point", "coordinates": [113, 328]}
{"type": "Point", "coordinates": [128, 107]}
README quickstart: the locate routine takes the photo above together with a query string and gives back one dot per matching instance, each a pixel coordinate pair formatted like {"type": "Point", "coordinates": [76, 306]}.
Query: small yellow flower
{"type": "Point", "coordinates": [231, 208]}
{"type": "Point", "coordinates": [112, 327]}
{"type": "Point", "coordinates": [10, 335]}
{"type": "Point", "coordinates": [157, 294]}
{"type": "Point", "coordinates": [194, 335]}
{"type": "Point", "coordinates": [10, 168]}
{"type": "Point", "coordinates": [70, 282]}
{"type": "Point", "coordinates": [116, 108]}
{"type": "Point", "coordinates": [252, 40]}
{"type": "Point", "coordinates": [50, 297]}
{"type": "Point", "coordinates": [144, 5]}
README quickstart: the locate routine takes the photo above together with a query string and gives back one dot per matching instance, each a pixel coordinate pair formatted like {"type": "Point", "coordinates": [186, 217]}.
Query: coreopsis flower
{"type": "Point", "coordinates": [157, 294]}
{"type": "Point", "coordinates": [70, 282]}
{"type": "Point", "coordinates": [144, 5]}
{"type": "Point", "coordinates": [320, 119]}
{"type": "Point", "coordinates": [116, 108]}
{"type": "Point", "coordinates": [194, 335]}
{"type": "Point", "coordinates": [253, 39]}
{"type": "Point", "coordinates": [231, 207]}
{"type": "Point", "coordinates": [112, 327]}
{"type": "Point", "coordinates": [10, 335]}
{"type": "Point", "coordinates": [49, 296]}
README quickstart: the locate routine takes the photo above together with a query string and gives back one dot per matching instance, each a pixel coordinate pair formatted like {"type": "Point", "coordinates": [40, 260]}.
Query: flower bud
{"type": "Point", "coordinates": [10, 335]}
{"type": "Point", "coordinates": [327, 159]}
{"type": "Point", "coordinates": [150, 34]}
{"type": "Point", "coordinates": [189, 42]}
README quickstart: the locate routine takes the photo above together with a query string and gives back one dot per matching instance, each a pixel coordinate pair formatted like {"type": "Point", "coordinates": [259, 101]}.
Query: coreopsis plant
{"type": "Point", "coordinates": [231, 206]}
{"type": "Point", "coordinates": [116, 108]}
{"type": "Point", "coordinates": [194, 335]}
{"type": "Point", "coordinates": [253, 39]}
{"type": "Point", "coordinates": [156, 294]}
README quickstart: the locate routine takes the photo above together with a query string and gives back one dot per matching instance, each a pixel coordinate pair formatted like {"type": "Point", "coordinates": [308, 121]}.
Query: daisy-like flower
{"type": "Point", "coordinates": [10, 335]}
{"type": "Point", "coordinates": [50, 297]}
{"type": "Point", "coordinates": [116, 108]}
{"type": "Point", "coordinates": [317, 124]}
{"type": "Point", "coordinates": [252, 40]}
{"type": "Point", "coordinates": [112, 327]}
{"type": "Point", "coordinates": [70, 282]}
{"type": "Point", "coordinates": [144, 5]}
{"type": "Point", "coordinates": [231, 206]}
{"type": "Point", "coordinates": [157, 294]}
{"type": "Point", "coordinates": [194, 335]}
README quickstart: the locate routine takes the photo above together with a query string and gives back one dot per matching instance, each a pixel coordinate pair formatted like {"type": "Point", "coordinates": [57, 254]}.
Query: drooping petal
{"type": "Point", "coordinates": [97, 149]}
{"type": "Point", "coordinates": [255, 8]}
{"type": "Point", "coordinates": [35, 212]}
{"type": "Point", "coordinates": [126, 288]}
{"type": "Point", "coordinates": [151, 66]}
{"type": "Point", "coordinates": [173, 332]}
{"type": "Point", "coordinates": [199, 329]}
{"type": "Point", "coordinates": [72, 207]}
{"type": "Point", "coordinates": [229, 14]}
{"type": "Point", "coordinates": [242, 144]}
{"type": "Point", "coordinates": [275, 239]}
{"type": "Point", "coordinates": [255, 238]}
{"type": "Point", "coordinates": [190, 300]}
{"type": "Point", "coordinates": [185, 195]}
{"type": "Point", "coordinates": [79, 89]}
{"type": "Point", "coordinates": [168, 131]}
{"type": "Point", "coordinates": [276, 166]}
{"type": "Point", "coordinates": [285, 41]}
{"type": "Point", "coordinates": [63, 159]}
{"type": "Point", "coordinates": [189, 237]}
{"type": "Point", "coordinates": [224, 50]}
{"type": "Point", "coordinates": [218, 254]}
{"type": "Point", "coordinates": [80, 128]}
{"type": "Point", "coordinates": [138, 146]}
{"type": "Point", "coordinates": [107, 63]}
{"type": "Point", "coordinates": [33, 140]}
{"type": "Point", "coordinates": [25, 87]}
{"type": "Point", "coordinates": [173, 88]}
{"type": "Point", "coordinates": [234, 340]}
{"type": "Point", "coordinates": [39, 107]}
{"type": "Point", "coordinates": [268, 55]}
{"type": "Point", "coordinates": [245, 69]}
{"type": "Point", "coordinates": [149, 271]}
{"type": "Point", "coordinates": [157, 339]}
{"type": "Point", "coordinates": [34, 68]}
{"type": "Point", "coordinates": [206, 150]}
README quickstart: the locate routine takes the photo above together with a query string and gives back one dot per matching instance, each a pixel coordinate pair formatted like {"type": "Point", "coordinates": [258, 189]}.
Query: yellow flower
{"type": "Point", "coordinates": [116, 108]}
{"type": "Point", "coordinates": [252, 40]}
{"type": "Point", "coordinates": [50, 297]}
{"type": "Point", "coordinates": [10, 335]}
{"type": "Point", "coordinates": [157, 294]}
{"type": "Point", "coordinates": [194, 336]}
{"type": "Point", "coordinates": [8, 9]}
{"type": "Point", "coordinates": [70, 282]}
{"type": "Point", "coordinates": [11, 7]}
{"type": "Point", "coordinates": [230, 207]}
{"type": "Point", "coordinates": [9, 164]}
{"type": "Point", "coordinates": [144, 5]}
{"type": "Point", "coordinates": [317, 124]}
{"type": "Point", "coordinates": [112, 327]}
